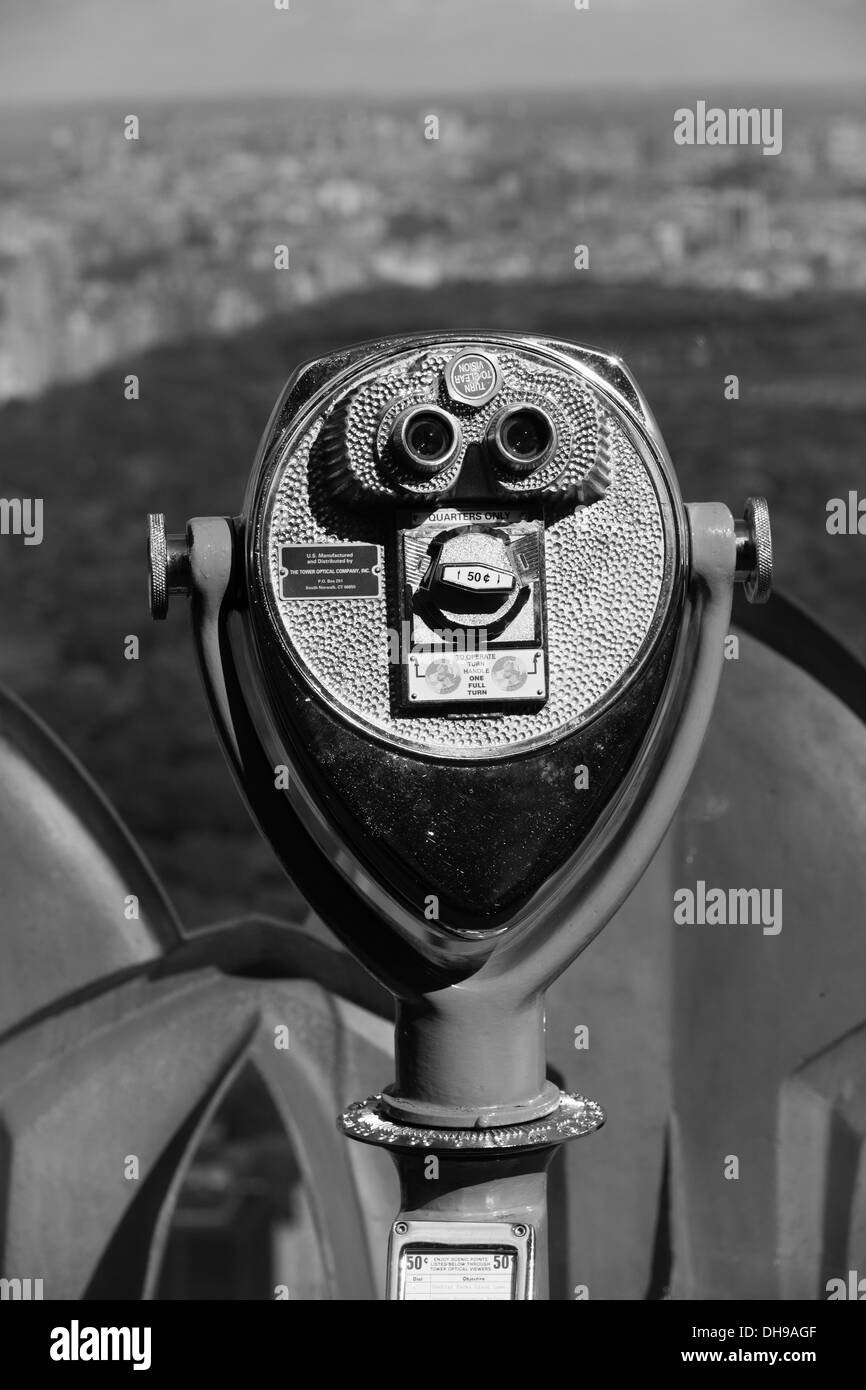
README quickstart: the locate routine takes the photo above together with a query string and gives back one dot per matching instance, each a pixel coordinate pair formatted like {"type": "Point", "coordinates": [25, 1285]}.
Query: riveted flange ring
{"type": "Point", "coordinates": [573, 1117]}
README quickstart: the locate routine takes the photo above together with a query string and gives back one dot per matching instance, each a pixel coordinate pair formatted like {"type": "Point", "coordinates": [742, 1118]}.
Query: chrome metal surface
{"type": "Point", "coordinates": [470, 961]}
{"type": "Point", "coordinates": [616, 561]}
{"type": "Point", "coordinates": [755, 550]}
{"type": "Point", "coordinates": [405, 451]}
{"type": "Point", "coordinates": [157, 565]}
{"type": "Point", "coordinates": [167, 565]}
{"type": "Point", "coordinates": [563, 916]}
{"type": "Point", "coordinates": [516, 464]}
{"type": "Point", "coordinates": [472, 378]}
{"type": "Point", "coordinates": [368, 1122]}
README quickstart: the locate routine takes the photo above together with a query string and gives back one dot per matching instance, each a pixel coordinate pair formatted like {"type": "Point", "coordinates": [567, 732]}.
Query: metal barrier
{"type": "Point", "coordinates": [121, 1037]}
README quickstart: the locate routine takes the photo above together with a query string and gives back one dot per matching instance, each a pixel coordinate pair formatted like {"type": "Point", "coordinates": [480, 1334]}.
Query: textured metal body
{"type": "Point", "coordinates": [454, 988]}
{"type": "Point", "coordinates": [521, 864]}
{"type": "Point", "coordinates": [614, 569]}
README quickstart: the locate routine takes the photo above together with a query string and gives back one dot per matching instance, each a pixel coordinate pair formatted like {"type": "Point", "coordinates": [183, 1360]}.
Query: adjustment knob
{"type": "Point", "coordinates": [167, 565]}
{"type": "Point", "coordinates": [755, 550]}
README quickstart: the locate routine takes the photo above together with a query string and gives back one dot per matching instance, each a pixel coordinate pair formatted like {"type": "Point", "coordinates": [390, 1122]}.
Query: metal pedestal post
{"type": "Point", "coordinates": [473, 1218]}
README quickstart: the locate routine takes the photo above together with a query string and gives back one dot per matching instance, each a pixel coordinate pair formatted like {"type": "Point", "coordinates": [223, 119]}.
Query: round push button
{"type": "Point", "coordinates": [472, 378]}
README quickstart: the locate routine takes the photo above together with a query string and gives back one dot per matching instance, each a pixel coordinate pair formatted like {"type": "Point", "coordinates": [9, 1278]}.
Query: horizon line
{"type": "Point", "coordinates": [623, 91]}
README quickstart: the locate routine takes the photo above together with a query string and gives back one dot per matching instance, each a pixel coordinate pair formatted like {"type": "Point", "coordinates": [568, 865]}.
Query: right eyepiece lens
{"type": "Point", "coordinates": [525, 435]}
{"type": "Point", "coordinates": [523, 438]}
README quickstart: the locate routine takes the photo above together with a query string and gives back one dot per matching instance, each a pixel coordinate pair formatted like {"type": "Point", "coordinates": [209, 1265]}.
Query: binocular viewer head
{"type": "Point", "coordinates": [460, 549]}
{"type": "Point", "coordinates": [461, 646]}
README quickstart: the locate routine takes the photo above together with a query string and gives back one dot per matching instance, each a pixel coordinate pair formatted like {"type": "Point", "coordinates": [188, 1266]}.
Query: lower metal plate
{"type": "Point", "coordinates": [476, 1261]}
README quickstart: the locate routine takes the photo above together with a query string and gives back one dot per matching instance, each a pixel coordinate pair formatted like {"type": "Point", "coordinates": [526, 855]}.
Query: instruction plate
{"type": "Point", "coordinates": [450, 1261]}
{"type": "Point", "coordinates": [496, 675]}
{"type": "Point", "coordinates": [486, 1275]}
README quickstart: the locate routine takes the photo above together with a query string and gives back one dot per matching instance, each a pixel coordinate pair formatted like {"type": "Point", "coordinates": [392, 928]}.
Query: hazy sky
{"type": "Point", "coordinates": [125, 48]}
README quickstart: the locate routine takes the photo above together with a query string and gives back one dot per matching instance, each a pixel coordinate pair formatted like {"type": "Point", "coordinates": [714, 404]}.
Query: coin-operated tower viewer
{"type": "Point", "coordinates": [467, 609]}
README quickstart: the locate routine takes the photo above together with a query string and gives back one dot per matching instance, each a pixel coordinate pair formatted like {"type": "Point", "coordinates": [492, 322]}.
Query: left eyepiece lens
{"type": "Point", "coordinates": [428, 437]}
{"type": "Point", "coordinates": [425, 439]}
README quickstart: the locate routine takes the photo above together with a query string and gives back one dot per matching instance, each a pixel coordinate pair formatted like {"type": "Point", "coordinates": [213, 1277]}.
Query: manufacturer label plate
{"type": "Point", "coordinates": [329, 571]}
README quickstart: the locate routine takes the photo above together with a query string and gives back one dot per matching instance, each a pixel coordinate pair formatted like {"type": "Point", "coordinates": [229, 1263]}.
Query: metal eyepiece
{"type": "Point", "coordinates": [521, 438]}
{"type": "Point", "coordinates": [425, 439]}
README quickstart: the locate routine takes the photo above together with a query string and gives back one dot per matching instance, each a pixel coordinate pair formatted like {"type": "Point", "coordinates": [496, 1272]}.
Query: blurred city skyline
{"type": "Point", "coordinates": [167, 49]}
{"type": "Point", "coordinates": [152, 261]}
{"type": "Point", "coordinates": [111, 246]}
